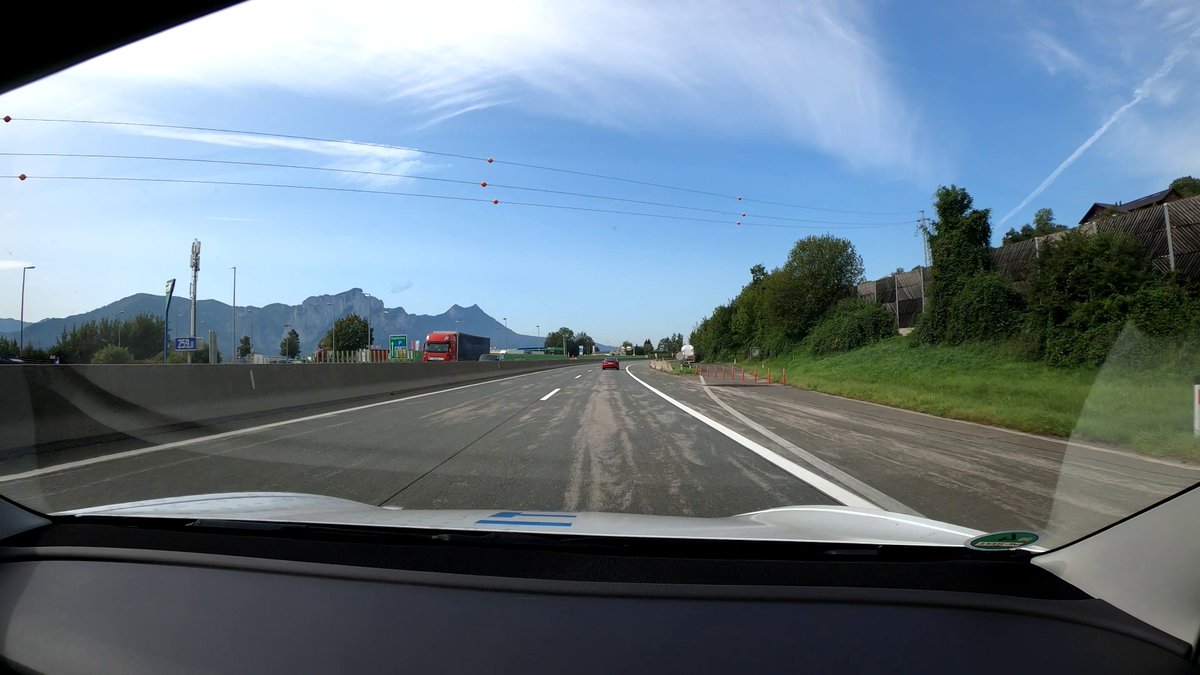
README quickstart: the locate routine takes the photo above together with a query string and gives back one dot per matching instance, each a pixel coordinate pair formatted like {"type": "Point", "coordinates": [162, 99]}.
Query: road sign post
{"type": "Point", "coordinates": [397, 344]}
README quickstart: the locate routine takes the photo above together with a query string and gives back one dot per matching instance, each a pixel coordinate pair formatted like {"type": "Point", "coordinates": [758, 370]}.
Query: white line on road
{"type": "Point", "coordinates": [579, 376]}
{"type": "Point", "coordinates": [238, 432]}
{"type": "Point", "coordinates": [550, 394]}
{"type": "Point", "coordinates": [820, 483]}
{"type": "Point", "coordinates": [846, 479]}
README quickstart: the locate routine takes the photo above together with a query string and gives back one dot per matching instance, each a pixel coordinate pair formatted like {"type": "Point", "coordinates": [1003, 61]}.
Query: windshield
{"type": "Point", "coordinates": [860, 265]}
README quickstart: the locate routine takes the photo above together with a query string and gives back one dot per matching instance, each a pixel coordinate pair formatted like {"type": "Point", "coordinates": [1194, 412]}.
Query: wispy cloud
{"type": "Point", "coordinates": [233, 219]}
{"type": "Point", "coordinates": [1054, 55]}
{"type": "Point", "coordinates": [812, 73]}
{"type": "Point", "coordinates": [348, 156]}
{"type": "Point", "coordinates": [1139, 95]}
{"type": "Point", "coordinates": [401, 286]}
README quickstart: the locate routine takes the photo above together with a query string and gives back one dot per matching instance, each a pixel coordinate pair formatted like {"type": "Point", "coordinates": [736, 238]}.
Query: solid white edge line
{"type": "Point", "coordinates": [819, 483]}
{"type": "Point", "coordinates": [550, 394]}
{"type": "Point", "coordinates": [65, 466]}
{"type": "Point", "coordinates": [819, 464]}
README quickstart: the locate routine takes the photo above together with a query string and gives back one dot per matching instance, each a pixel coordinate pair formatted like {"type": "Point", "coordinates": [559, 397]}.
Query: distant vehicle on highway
{"type": "Point", "coordinates": [491, 357]}
{"type": "Point", "coordinates": [451, 345]}
{"type": "Point", "coordinates": [686, 355]}
{"type": "Point", "coordinates": [610, 363]}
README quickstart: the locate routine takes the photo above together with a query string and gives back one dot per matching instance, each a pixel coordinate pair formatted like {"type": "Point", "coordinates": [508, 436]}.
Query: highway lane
{"type": "Point", "coordinates": [572, 439]}
{"type": "Point", "coordinates": [974, 475]}
{"type": "Point", "coordinates": [584, 439]}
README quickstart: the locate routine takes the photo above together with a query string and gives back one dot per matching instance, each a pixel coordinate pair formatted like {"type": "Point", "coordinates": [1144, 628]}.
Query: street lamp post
{"type": "Point", "coordinates": [506, 334]}
{"type": "Point", "coordinates": [334, 331]}
{"type": "Point", "coordinates": [370, 342]}
{"type": "Point", "coordinates": [233, 354]}
{"type": "Point", "coordinates": [22, 320]}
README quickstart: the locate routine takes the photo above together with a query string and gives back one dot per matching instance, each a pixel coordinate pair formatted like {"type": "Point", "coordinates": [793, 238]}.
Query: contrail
{"type": "Point", "coordinates": [1138, 94]}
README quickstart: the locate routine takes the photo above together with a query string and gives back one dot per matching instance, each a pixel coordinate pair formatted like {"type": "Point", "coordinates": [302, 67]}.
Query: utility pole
{"type": "Point", "coordinates": [925, 236]}
{"type": "Point", "coordinates": [925, 269]}
{"type": "Point", "coordinates": [195, 263]}
{"type": "Point", "coordinates": [233, 353]}
{"type": "Point", "coordinates": [506, 334]}
{"type": "Point", "coordinates": [120, 324]}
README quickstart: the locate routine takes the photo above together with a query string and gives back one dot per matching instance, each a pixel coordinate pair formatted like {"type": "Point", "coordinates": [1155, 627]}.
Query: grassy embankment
{"type": "Point", "coordinates": [1147, 411]}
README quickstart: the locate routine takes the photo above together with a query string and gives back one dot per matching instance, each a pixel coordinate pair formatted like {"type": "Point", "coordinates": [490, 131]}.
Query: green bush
{"type": "Point", "coordinates": [986, 308]}
{"type": "Point", "coordinates": [112, 354]}
{"type": "Point", "coordinates": [1164, 309]}
{"type": "Point", "coordinates": [852, 323]}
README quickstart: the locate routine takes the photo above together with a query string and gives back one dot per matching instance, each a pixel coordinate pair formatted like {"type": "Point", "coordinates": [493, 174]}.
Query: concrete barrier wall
{"type": "Point", "coordinates": [48, 406]}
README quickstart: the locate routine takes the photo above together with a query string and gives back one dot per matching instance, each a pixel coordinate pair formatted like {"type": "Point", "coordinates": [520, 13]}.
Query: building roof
{"type": "Point", "coordinates": [1141, 203]}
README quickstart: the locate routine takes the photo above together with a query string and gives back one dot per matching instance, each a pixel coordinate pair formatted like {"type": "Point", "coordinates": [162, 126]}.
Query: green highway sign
{"type": "Point", "coordinates": [397, 344]}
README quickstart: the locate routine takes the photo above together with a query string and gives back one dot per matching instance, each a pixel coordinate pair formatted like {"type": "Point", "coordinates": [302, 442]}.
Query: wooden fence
{"type": "Point", "coordinates": [1169, 233]}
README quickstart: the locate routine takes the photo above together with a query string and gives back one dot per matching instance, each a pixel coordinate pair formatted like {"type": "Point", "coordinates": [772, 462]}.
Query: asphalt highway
{"type": "Point", "coordinates": [633, 440]}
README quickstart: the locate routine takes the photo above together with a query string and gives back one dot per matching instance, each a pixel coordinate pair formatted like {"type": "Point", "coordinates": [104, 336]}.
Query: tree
{"type": "Point", "coordinates": [639, 350]}
{"type": "Point", "coordinates": [82, 342]}
{"type": "Point", "coordinates": [959, 245]}
{"type": "Point", "coordinates": [852, 323]}
{"type": "Point", "coordinates": [557, 338]}
{"type": "Point", "coordinates": [584, 340]}
{"type": "Point", "coordinates": [351, 332]}
{"type": "Point", "coordinates": [671, 344]}
{"type": "Point", "coordinates": [143, 335]}
{"type": "Point", "coordinates": [819, 271]}
{"type": "Point", "coordinates": [244, 348]}
{"type": "Point", "coordinates": [1043, 224]}
{"type": "Point", "coordinates": [8, 347]}
{"type": "Point", "coordinates": [198, 356]}
{"type": "Point", "coordinates": [289, 346]}
{"type": "Point", "coordinates": [1186, 186]}
{"type": "Point", "coordinates": [112, 354]}
{"type": "Point", "coordinates": [1082, 291]}
{"type": "Point", "coordinates": [647, 347]}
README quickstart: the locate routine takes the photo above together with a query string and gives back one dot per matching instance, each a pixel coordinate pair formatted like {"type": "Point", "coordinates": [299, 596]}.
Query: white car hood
{"type": "Point", "coordinates": [789, 523]}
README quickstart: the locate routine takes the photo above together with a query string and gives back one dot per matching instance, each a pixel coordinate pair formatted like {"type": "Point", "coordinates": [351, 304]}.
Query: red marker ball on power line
{"type": "Point", "coordinates": [495, 201]}
{"type": "Point", "coordinates": [743, 215]}
{"type": "Point", "coordinates": [7, 119]}
{"type": "Point", "coordinates": [739, 198]}
{"type": "Point", "coordinates": [739, 222]}
{"type": "Point", "coordinates": [483, 183]}
{"type": "Point", "coordinates": [21, 177]}
{"type": "Point", "coordinates": [489, 160]}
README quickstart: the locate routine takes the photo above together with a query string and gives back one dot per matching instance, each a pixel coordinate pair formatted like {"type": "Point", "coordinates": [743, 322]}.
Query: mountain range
{"type": "Point", "coordinates": [265, 325]}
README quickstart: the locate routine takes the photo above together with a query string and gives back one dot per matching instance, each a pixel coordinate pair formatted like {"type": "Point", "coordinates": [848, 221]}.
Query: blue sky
{"type": "Point", "coordinates": [853, 106]}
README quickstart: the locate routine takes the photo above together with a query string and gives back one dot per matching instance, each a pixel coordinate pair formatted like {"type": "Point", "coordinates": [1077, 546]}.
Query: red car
{"type": "Point", "coordinates": [610, 363]}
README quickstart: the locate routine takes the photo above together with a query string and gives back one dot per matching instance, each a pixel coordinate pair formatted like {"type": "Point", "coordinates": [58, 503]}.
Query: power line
{"type": "Point", "coordinates": [489, 160]}
{"type": "Point", "coordinates": [276, 165]}
{"type": "Point", "coordinates": [323, 188]}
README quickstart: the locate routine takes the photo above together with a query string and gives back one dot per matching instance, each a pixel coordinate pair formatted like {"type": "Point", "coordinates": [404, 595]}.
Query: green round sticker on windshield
{"type": "Point", "coordinates": [1000, 541]}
